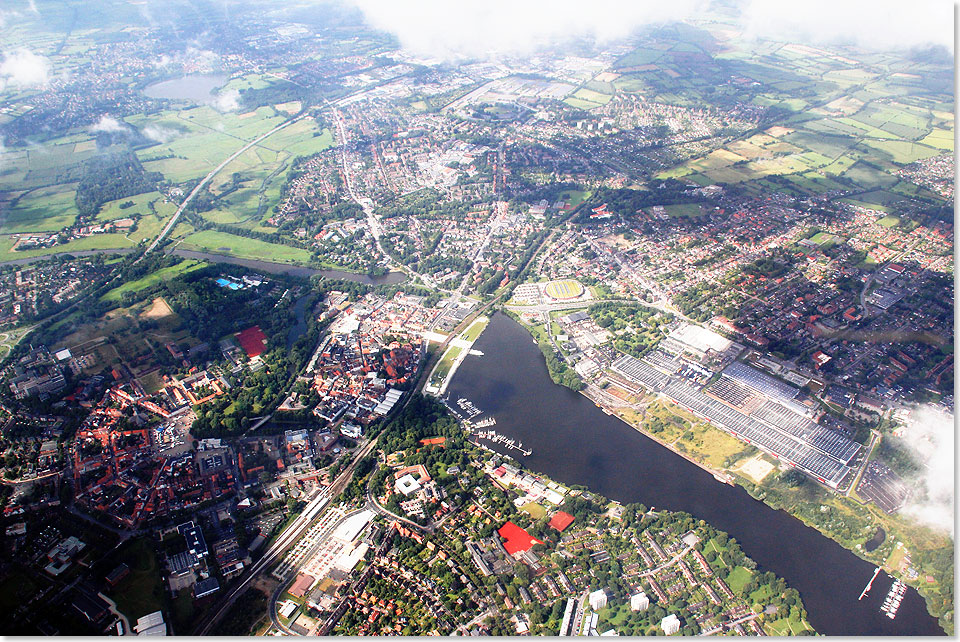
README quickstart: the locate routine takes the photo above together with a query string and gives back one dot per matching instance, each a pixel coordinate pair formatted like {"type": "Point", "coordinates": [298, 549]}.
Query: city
{"type": "Point", "coordinates": [277, 288]}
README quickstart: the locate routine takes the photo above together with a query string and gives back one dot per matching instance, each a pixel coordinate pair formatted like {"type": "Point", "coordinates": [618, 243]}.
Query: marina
{"type": "Point", "coordinates": [504, 442]}
{"type": "Point", "coordinates": [575, 443]}
{"type": "Point", "coordinates": [891, 603]}
{"type": "Point", "coordinates": [467, 406]}
{"type": "Point", "coordinates": [468, 410]}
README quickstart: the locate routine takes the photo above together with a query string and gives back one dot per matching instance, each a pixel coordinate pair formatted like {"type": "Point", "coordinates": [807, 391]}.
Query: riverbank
{"type": "Point", "coordinates": [576, 443]}
{"type": "Point", "coordinates": [841, 519]}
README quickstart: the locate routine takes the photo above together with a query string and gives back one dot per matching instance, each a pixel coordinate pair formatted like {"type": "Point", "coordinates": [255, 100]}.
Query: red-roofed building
{"type": "Point", "coordinates": [516, 540]}
{"type": "Point", "coordinates": [561, 520]}
{"type": "Point", "coordinates": [301, 585]}
{"type": "Point", "coordinates": [253, 341]}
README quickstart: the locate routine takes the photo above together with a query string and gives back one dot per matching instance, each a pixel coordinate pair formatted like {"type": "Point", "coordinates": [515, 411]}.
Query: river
{"type": "Point", "coordinates": [574, 442]}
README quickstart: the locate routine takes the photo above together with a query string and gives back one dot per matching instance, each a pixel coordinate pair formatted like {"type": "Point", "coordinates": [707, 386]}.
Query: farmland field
{"type": "Point", "coordinates": [45, 209]}
{"type": "Point", "coordinates": [242, 247]}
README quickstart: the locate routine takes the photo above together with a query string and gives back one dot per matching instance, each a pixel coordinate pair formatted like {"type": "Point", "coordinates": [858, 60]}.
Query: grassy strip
{"type": "Point", "coordinates": [163, 274]}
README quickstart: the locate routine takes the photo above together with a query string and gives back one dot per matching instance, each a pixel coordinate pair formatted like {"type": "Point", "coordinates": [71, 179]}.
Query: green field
{"type": "Point", "coordinates": [103, 242]}
{"type": "Point", "coordinates": [163, 274]}
{"type": "Point", "coordinates": [45, 209]}
{"type": "Point", "coordinates": [738, 578]}
{"type": "Point", "coordinates": [475, 329]}
{"type": "Point", "coordinates": [575, 197]}
{"type": "Point", "coordinates": [684, 209]}
{"type": "Point", "coordinates": [141, 206]}
{"type": "Point", "coordinates": [440, 373]}
{"type": "Point", "coordinates": [888, 221]}
{"type": "Point", "coordinates": [242, 247]}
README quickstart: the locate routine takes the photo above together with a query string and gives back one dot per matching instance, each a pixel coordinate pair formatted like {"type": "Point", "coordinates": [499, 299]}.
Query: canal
{"type": "Point", "coordinates": [574, 442]}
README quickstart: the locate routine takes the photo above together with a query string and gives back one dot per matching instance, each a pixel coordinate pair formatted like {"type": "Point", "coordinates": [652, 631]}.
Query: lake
{"type": "Point", "coordinates": [198, 88]}
{"type": "Point", "coordinates": [574, 442]}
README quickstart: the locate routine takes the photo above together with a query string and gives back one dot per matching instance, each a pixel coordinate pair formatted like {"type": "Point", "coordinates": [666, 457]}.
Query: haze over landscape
{"type": "Point", "coordinates": [358, 317]}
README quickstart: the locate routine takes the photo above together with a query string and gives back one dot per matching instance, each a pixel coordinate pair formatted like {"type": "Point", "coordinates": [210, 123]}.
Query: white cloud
{"type": "Point", "coordinates": [866, 23]}
{"type": "Point", "coordinates": [482, 29]}
{"type": "Point", "coordinates": [7, 15]}
{"type": "Point", "coordinates": [448, 30]}
{"type": "Point", "coordinates": [227, 101]}
{"type": "Point", "coordinates": [930, 439]}
{"type": "Point", "coordinates": [33, 6]}
{"type": "Point", "coordinates": [201, 58]}
{"type": "Point", "coordinates": [108, 124]}
{"type": "Point", "coordinates": [159, 134]}
{"type": "Point", "coordinates": [23, 68]}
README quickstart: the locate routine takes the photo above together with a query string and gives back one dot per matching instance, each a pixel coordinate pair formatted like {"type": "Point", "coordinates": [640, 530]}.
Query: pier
{"type": "Point", "coordinates": [866, 589]}
{"type": "Point", "coordinates": [504, 441]}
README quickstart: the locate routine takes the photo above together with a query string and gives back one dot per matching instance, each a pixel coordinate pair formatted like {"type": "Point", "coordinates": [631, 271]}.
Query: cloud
{"type": "Point", "coordinates": [928, 435]}
{"type": "Point", "coordinates": [33, 6]}
{"type": "Point", "coordinates": [227, 101]}
{"type": "Point", "coordinates": [109, 124]}
{"type": "Point", "coordinates": [7, 15]}
{"type": "Point", "coordinates": [23, 68]}
{"type": "Point", "coordinates": [202, 58]}
{"type": "Point", "coordinates": [160, 134]}
{"type": "Point", "coordinates": [473, 29]}
{"type": "Point", "coordinates": [866, 23]}
{"type": "Point", "coordinates": [484, 29]}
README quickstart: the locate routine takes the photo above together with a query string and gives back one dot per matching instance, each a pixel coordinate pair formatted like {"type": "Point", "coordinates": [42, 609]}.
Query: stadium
{"type": "Point", "coordinates": [565, 290]}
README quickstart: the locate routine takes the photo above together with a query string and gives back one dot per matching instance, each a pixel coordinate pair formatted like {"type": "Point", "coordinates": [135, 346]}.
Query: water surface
{"type": "Point", "coordinates": [574, 442]}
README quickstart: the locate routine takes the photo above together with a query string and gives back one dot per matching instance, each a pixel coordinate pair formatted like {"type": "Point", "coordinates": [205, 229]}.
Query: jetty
{"type": "Point", "coordinates": [866, 589]}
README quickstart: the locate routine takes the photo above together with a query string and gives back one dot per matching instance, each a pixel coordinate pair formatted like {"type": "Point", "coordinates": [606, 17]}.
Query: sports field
{"type": "Point", "coordinates": [564, 290]}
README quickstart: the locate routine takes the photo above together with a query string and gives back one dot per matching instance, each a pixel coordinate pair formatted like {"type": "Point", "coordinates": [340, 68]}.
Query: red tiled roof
{"type": "Point", "coordinates": [516, 540]}
{"type": "Point", "coordinates": [301, 585]}
{"type": "Point", "coordinates": [561, 520]}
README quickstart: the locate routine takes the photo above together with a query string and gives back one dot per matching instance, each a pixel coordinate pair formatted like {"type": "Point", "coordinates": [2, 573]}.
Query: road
{"type": "Point", "coordinates": [367, 205]}
{"type": "Point", "coordinates": [874, 440]}
{"type": "Point", "coordinates": [176, 216]}
{"type": "Point", "coordinates": [288, 538]}
{"type": "Point", "coordinates": [745, 618]}
{"type": "Point", "coordinates": [274, 615]}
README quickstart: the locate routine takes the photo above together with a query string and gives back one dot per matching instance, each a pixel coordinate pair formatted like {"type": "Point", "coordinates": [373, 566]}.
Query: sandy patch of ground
{"type": "Point", "coordinates": [756, 468]}
{"type": "Point", "coordinates": [778, 131]}
{"type": "Point", "coordinates": [158, 309]}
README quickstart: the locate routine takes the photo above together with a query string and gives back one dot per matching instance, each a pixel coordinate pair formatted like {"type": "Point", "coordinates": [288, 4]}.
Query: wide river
{"type": "Point", "coordinates": [574, 442]}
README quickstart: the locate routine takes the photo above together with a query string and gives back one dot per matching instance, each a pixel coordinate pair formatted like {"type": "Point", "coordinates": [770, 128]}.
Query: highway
{"type": "Point", "coordinates": [176, 216]}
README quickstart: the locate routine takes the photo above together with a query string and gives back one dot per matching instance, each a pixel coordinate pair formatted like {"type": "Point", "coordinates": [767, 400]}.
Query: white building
{"type": "Point", "coordinates": [639, 602]}
{"type": "Point", "coordinates": [598, 600]}
{"type": "Point", "coordinates": [407, 484]}
{"type": "Point", "coordinates": [670, 624]}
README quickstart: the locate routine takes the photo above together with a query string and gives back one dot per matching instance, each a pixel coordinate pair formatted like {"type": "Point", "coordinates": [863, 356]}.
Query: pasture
{"type": "Point", "coordinates": [242, 247]}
